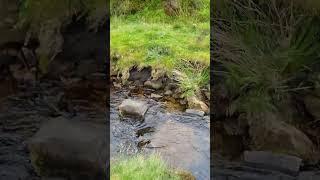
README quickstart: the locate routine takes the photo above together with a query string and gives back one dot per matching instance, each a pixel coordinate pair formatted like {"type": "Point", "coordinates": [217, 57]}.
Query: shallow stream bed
{"type": "Point", "coordinates": [181, 139]}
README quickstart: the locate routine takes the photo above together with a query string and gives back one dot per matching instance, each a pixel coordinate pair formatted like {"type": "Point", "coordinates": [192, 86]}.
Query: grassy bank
{"type": "Point", "coordinates": [265, 53]}
{"type": "Point", "coordinates": [141, 168]}
{"type": "Point", "coordinates": [177, 46]}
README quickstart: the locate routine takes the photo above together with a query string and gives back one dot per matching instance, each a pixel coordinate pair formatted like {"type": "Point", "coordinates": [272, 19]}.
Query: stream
{"type": "Point", "coordinates": [182, 139]}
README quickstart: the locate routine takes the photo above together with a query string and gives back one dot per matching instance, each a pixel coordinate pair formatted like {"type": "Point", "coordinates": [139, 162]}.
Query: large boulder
{"type": "Point", "coordinates": [70, 148]}
{"type": "Point", "coordinates": [269, 160]}
{"type": "Point", "coordinates": [272, 134]}
{"type": "Point", "coordinates": [136, 108]}
{"type": "Point", "coordinates": [196, 103]}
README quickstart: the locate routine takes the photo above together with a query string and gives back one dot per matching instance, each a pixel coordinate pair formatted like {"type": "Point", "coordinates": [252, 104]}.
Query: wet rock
{"type": "Point", "coordinates": [168, 92]}
{"type": "Point", "coordinates": [143, 130]}
{"type": "Point", "coordinates": [140, 75]}
{"type": "Point", "coordinates": [195, 103]}
{"type": "Point", "coordinates": [70, 148]}
{"type": "Point", "coordinates": [271, 160]}
{"type": "Point", "coordinates": [207, 118]}
{"type": "Point", "coordinates": [17, 172]}
{"type": "Point", "coordinates": [130, 107]}
{"type": "Point", "coordinates": [171, 86]}
{"type": "Point", "coordinates": [156, 96]}
{"type": "Point", "coordinates": [143, 143]}
{"type": "Point", "coordinates": [312, 104]}
{"type": "Point", "coordinates": [195, 112]}
{"type": "Point", "coordinates": [175, 141]}
{"type": "Point", "coordinates": [117, 85]}
{"type": "Point", "coordinates": [249, 173]}
{"type": "Point", "coordinates": [183, 101]}
{"type": "Point", "coordinates": [154, 84]}
{"type": "Point", "coordinates": [272, 134]}
{"type": "Point", "coordinates": [309, 175]}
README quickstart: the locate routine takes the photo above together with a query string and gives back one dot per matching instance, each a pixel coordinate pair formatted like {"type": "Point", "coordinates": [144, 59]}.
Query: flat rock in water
{"type": "Point", "coordinates": [70, 148]}
{"type": "Point", "coordinates": [156, 96]}
{"type": "Point", "coordinates": [273, 160]}
{"type": "Point", "coordinates": [195, 112]}
{"type": "Point", "coordinates": [130, 107]}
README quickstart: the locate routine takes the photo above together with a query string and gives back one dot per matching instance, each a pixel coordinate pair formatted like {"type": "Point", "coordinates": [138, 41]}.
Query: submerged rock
{"type": "Point", "coordinates": [195, 112]}
{"type": "Point", "coordinates": [130, 107]}
{"type": "Point", "coordinates": [70, 148]}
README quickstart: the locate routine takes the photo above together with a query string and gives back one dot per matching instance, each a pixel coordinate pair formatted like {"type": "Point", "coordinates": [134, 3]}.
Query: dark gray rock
{"type": "Point", "coordinates": [273, 160]}
{"type": "Point", "coordinates": [130, 107]}
{"type": "Point", "coordinates": [140, 75]}
{"type": "Point", "coordinates": [195, 112]}
{"type": "Point", "coordinates": [154, 84]}
{"type": "Point", "coordinates": [309, 175]}
{"type": "Point", "coordinates": [70, 148]}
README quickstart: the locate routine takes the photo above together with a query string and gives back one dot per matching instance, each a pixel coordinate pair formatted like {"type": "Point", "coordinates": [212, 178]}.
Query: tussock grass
{"type": "Point", "coordinates": [266, 51]}
{"type": "Point", "coordinates": [141, 168]}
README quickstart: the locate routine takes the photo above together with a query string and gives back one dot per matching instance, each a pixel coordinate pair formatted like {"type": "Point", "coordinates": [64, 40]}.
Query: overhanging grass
{"type": "Point", "coordinates": [151, 38]}
{"type": "Point", "coordinates": [266, 52]}
{"type": "Point", "coordinates": [141, 168]}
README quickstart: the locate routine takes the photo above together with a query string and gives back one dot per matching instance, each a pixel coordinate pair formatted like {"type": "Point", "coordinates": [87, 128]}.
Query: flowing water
{"type": "Point", "coordinates": [181, 139]}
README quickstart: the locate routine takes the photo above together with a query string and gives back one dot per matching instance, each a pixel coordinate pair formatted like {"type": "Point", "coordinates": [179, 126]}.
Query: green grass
{"type": "Point", "coordinates": [267, 52]}
{"type": "Point", "coordinates": [151, 38]}
{"type": "Point", "coordinates": [141, 168]}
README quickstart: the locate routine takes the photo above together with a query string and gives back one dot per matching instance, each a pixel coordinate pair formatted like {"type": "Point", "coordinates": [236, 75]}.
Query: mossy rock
{"type": "Point", "coordinates": [185, 175]}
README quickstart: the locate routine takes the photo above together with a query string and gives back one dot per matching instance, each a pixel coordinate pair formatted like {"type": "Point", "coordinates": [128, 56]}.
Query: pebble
{"type": "Point", "coordinates": [156, 96]}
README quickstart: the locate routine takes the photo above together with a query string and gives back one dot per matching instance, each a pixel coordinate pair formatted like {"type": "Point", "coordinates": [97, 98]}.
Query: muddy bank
{"type": "Point", "coordinates": [181, 138]}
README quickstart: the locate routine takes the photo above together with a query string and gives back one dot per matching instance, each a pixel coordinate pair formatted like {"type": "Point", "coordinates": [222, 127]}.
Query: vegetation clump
{"type": "Point", "coordinates": [265, 53]}
{"type": "Point", "coordinates": [141, 168]}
